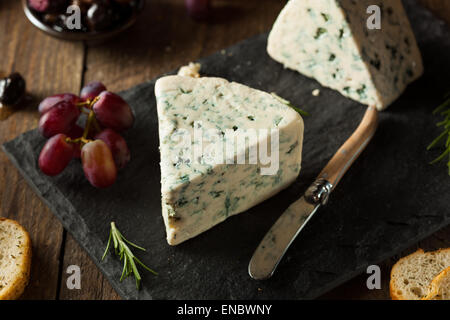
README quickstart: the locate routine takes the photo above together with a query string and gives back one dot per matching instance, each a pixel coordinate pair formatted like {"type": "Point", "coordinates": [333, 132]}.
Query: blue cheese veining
{"type": "Point", "coordinates": [196, 195]}
{"type": "Point", "coordinates": [329, 40]}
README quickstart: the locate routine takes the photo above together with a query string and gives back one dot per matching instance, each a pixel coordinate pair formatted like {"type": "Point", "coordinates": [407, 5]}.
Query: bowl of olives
{"type": "Point", "coordinates": [83, 20]}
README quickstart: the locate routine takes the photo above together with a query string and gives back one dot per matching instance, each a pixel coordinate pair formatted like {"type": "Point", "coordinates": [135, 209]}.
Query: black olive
{"type": "Point", "coordinates": [50, 18]}
{"type": "Point", "coordinates": [100, 16]}
{"type": "Point", "coordinates": [12, 89]}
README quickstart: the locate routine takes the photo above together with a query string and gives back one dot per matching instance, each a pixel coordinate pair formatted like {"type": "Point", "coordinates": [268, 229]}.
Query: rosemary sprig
{"type": "Point", "coordinates": [289, 104]}
{"type": "Point", "coordinates": [124, 253]}
{"type": "Point", "coordinates": [444, 110]}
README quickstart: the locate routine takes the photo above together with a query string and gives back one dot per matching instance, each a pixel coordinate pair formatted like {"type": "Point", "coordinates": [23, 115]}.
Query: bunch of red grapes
{"type": "Point", "coordinates": [99, 145]}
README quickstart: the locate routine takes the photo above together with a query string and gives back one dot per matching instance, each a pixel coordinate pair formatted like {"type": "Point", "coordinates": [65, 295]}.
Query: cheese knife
{"type": "Point", "coordinates": [277, 241]}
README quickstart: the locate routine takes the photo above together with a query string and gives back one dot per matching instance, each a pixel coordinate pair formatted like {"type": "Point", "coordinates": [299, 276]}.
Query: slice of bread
{"type": "Point", "coordinates": [440, 287]}
{"type": "Point", "coordinates": [15, 259]}
{"type": "Point", "coordinates": [411, 276]}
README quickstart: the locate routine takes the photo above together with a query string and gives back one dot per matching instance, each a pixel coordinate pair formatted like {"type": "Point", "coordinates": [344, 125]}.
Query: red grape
{"type": "Point", "coordinates": [56, 155]}
{"type": "Point", "coordinates": [59, 119]}
{"type": "Point", "coordinates": [113, 112]}
{"type": "Point", "coordinates": [98, 164]}
{"type": "Point", "coordinates": [117, 145]}
{"type": "Point", "coordinates": [92, 90]}
{"type": "Point", "coordinates": [74, 133]}
{"type": "Point", "coordinates": [198, 9]}
{"type": "Point", "coordinates": [51, 101]}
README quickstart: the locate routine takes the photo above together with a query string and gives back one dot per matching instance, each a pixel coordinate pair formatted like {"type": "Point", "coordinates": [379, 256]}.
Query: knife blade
{"type": "Point", "coordinates": [281, 235]}
{"type": "Point", "coordinates": [279, 238]}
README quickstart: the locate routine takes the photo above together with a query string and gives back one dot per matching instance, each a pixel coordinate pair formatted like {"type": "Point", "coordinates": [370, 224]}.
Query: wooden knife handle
{"type": "Point", "coordinates": [351, 149]}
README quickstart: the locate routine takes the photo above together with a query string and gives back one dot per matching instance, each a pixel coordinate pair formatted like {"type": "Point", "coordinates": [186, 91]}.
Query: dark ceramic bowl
{"type": "Point", "coordinates": [89, 37]}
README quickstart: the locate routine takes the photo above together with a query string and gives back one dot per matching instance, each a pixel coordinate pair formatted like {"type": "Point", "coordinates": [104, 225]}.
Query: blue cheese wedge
{"type": "Point", "coordinates": [198, 194]}
{"type": "Point", "coordinates": [329, 40]}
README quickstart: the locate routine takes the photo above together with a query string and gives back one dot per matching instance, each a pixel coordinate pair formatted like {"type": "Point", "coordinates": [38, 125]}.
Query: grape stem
{"type": "Point", "coordinates": [85, 103]}
{"type": "Point", "coordinates": [88, 103]}
{"type": "Point", "coordinates": [80, 140]}
{"type": "Point", "coordinates": [91, 121]}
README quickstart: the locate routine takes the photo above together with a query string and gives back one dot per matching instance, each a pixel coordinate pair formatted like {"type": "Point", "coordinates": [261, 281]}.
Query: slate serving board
{"type": "Point", "coordinates": [390, 199]}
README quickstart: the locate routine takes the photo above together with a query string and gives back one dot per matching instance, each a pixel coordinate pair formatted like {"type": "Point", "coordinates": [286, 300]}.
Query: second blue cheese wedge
{"type": "Point", "coordinates": [200, 191]}
{"type": "Point", "coordinates": [330, 41]}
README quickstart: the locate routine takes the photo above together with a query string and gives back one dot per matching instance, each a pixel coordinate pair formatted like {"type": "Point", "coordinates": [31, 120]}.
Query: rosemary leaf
{"type": "Point", "coordinates": [442, 107]}
{"type": "Point", "coordinates": [441, 157]}
{"type": "Point", "coordinates": [145, 267]}
{"type": "Point", "coordinates": [124, 253]}
{"type": "Point", "coordinates": [107, 246]}
{"type": "Point", "coordinates": [134, 245]}
{"type": "Point", "coordinates": [437, 140]}
{"type": "Point", "coordinates": [443, 110]}
{"type": "Point", "coordinates": [124, 270]}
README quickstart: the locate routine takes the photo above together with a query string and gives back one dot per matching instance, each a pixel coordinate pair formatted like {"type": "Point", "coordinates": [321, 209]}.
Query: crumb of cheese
{"type": "Point", "coordinates": [316, 92]}
{"type": "Point", "coordinates": [191, 70]}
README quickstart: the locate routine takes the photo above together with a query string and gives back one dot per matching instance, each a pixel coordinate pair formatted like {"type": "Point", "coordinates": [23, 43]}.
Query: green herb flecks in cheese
{"type": "Point", "coordinates": [195, 195]}
{"type": "Point", "coordinates": [328, 40]}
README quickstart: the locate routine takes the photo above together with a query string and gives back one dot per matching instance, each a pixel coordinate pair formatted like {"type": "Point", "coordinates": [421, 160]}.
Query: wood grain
{"type": "Point", "coordinates": [48, 66]}
{"type": "Point", "coordinates": [163, 39]}
{"type": "Point", "coordinates": [93, 284]}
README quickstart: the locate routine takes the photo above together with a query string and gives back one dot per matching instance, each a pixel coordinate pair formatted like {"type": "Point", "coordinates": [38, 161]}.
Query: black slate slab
{"type": "Point", "coordinates": [390, 199]}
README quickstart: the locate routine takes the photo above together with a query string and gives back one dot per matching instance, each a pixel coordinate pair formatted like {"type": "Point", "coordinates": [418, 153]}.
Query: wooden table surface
{"type": "Point", "coordinates": [163, 39]}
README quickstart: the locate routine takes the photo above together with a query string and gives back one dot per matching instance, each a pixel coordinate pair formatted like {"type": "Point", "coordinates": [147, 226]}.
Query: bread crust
{"type": "Point", "coordinates": [17, 286]}
{"type": "Point", "coordinates": [393, 290]}
{"type": "Point", "coordinates": [435, 284]}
